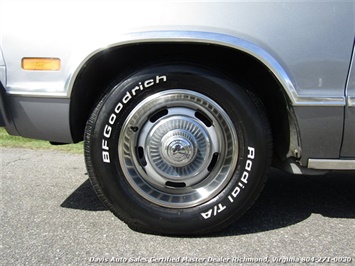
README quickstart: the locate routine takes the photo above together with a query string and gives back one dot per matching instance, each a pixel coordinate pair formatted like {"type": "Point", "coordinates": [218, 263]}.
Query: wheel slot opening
{"type": "Point", "coordinates": [203, 118]}
{"type": "Point", "coordinates": [158, 115]}
{"type": "Point", "coordinates": [140, 153]}
{"type": "Point", "coordinates": [175, 184]}
{"type": "Point", "coordinates": [134, 129]}
{"type": "Point", "coordinates": [213, 161]}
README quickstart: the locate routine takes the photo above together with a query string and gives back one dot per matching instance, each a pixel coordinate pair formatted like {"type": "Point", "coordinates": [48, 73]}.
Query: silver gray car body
{"type": "Point", "coordinates": [307, 46]}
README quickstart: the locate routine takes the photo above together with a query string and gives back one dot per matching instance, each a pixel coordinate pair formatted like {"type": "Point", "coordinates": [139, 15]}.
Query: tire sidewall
{"type": "Point", "coordinates": [231, 202]}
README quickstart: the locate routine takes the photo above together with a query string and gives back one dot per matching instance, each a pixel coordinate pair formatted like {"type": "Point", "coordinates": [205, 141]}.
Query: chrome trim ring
{"type": "Point", "coordinates": [178, 148]}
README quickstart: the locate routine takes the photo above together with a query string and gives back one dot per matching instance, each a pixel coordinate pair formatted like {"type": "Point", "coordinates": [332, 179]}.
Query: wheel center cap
{"type": "Point", "coordinates": [178, 148]}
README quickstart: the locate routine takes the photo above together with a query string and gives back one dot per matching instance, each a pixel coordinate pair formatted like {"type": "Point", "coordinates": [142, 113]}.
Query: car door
{"type": "Point", "coordinates": [348, 146]}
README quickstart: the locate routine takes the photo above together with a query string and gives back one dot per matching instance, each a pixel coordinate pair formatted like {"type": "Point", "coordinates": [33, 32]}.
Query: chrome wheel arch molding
{"type": "Point", "coordinates": [202, 37]}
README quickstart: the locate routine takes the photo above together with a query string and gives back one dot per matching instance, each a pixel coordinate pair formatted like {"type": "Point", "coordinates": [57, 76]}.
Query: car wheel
{"type": "Point", "coordinates": [177, 149]}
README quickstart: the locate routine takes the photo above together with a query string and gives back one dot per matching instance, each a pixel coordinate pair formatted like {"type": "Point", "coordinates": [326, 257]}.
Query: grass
{"type": "Point", "coordinates": [18, 142]}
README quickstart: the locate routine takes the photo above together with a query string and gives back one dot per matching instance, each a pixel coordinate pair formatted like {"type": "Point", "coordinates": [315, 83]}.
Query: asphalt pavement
{"type": "Point", "coordinates": [50, 215]}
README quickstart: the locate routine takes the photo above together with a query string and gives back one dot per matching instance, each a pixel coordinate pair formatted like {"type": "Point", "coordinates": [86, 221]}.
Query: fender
{"type": "Point", "coordinates": [252, 49]}
{"type": "Point", "coordinates": [217, 39]}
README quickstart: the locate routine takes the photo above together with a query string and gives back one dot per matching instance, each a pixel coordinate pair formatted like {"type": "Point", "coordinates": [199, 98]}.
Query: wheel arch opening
{"type": "Point", "coordinates": [108, 65]}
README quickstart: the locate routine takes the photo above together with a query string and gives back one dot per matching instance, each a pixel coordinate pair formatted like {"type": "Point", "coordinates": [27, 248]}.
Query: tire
{"type": "Point", "coordinates": [178, 150]}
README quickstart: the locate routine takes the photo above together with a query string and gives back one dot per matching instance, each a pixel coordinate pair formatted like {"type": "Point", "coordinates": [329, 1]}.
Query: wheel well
{"type": "Point", "coordinates": [99, 72]}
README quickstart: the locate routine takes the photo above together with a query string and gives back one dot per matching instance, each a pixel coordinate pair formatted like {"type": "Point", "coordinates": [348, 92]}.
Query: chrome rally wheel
{"type": "Point", "coordinates": [177, 148]}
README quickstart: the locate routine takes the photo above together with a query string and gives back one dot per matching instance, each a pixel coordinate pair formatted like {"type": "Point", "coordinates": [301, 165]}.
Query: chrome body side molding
{"type": "Point", "coordinates": [351, 101]}
{"type": "Point", "coordinates": [331, 164]}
